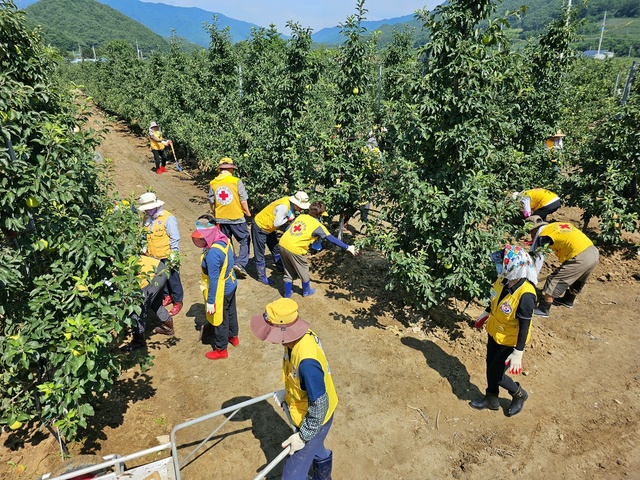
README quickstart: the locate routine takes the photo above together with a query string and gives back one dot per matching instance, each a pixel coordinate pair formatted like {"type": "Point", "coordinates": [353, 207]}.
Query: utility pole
{"type": "Point", "coordinates": [94, 52]}
{"type": "Point", "coordinates": [568, 11]}
{"type": "Point", "coordinates": [604, 20]}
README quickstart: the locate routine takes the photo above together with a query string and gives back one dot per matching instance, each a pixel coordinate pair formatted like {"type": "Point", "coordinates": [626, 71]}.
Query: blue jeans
{"type": "Point", "coordinates": [260, 239]}
{"type": "Point", "coordinates": [298, 464]}
{"type": "Point", "coordinates": [173, 287]}
{"type": "Point", "coordinates": [240, 232]}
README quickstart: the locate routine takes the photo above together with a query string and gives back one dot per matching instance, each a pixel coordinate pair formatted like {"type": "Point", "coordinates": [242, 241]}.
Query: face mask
{"type": "Point", "coordinates": [499, 268]}
{"type": "Point", "coordinates": [152, 212]}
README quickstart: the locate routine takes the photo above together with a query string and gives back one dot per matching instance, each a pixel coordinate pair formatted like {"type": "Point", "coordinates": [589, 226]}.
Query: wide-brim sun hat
{"type": "Point", "coordinates": [301, 199]}
{"type": "Point", "coordinates": [536, 222]}
{"type": "Point", "coordinates": [149, 201]}
{"type": "Point", "coordinates": [280, 323]}
{"type": "Point", "coordinates": [226, 163]}
{"type": "Point", "coordinates": [153, 124]}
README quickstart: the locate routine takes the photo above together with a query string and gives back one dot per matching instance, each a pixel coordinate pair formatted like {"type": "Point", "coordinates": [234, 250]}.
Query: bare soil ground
{"type": "Point", "coordinates": [404, 380]}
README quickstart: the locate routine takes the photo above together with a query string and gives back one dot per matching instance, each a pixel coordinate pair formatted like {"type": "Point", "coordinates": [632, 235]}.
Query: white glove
{"type": "Point", "coordinates": [211, 308]}
{"type": "Point", "coordinates": [514, 361]}
{"type": "Point", "coordinates": [480, 321]}
{"type": "Point", "coordinates": [295, 441]}
{"type": "Point", "coordinates": [165, 142]}
{"type": "Point", "coordinates": [352, 250]}
{"type": "Point", "coordinates": [278, 397]}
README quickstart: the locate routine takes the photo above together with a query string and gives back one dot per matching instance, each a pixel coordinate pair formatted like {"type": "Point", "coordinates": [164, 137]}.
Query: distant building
{"type": "Point", "coordinates": [598, 55]}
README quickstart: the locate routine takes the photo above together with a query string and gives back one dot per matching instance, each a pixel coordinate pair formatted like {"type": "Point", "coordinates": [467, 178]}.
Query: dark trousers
{"type": "Point", "coordinates": [152, 301]}
{"type": "Point", "coordinates": [260, 239]}
{"type": "Point", "coordinates": [547, 209]}
{"type": "Point", "coordinates": [159, 156]}
{"type": "Point", "coordinates": [229, 326]}
{"type": "Point", "coordinates": [174, 286]}
{"type": "Point", "coordinates": [240, 232]}
{"type": "Point", "coordinates": [496, 356]}
{"type": "Point", "coordinates": [298, 464]}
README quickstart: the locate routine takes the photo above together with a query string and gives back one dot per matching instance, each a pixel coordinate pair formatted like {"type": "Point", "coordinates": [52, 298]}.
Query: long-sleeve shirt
{"type": "Point", "coordinates": [212, 264]}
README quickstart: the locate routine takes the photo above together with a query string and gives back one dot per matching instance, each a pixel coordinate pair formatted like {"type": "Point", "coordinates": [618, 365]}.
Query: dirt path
{"type": "Point", "coordinates": [403, 389]}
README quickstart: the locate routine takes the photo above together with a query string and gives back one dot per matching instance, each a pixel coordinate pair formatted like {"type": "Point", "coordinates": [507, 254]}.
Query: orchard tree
{"type": "Point", "coordinates": [605, 183]}
{"type": "Point", "coordinates": [459, 147]}
{"type": "Point", "coordinates": [349, 169]}
{"type": "Point", "coordinates": [67, 252]}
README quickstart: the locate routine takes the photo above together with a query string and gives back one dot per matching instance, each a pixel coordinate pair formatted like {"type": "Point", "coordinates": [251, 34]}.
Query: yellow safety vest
{"type": "Point", "coordinates": [267, 216]}
{"type": "Point", "coordinates": [568, 241]}
{"type": "Point", "coordinates": [540, 197]}
{"type": "Point", "coordinates": [299, 235]}
{"type": "Point", "coordinates": [308, 347]}
{"type": "Point", "coordinates": [217, 317]}
{"type": "Point", "coordinates": [157, 239]}
{"type": "Point", "coordinates": [148, 268]}
{"type": "Point", "coordinates": [157, 145]}
{"type": "Point", "coordinates": [227, 199]}
{"type": "Point", "coordinates": [502, 324]}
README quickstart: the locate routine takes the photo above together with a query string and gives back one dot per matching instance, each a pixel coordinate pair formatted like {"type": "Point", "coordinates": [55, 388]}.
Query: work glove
{"type": "Point", "coordinates": [168, 142]}
{"type": "Point", "coordinates": [481, 320]}
{"type": "Point", "coordinates": [211, 308]}
{"type": "Point", "coordinates": [352, 250]}
{"type": "Point", "coordinates": [278, 397]}
{"type": "Point", "coordinates": [514, 361]}
{"type": "Point", "coordinates": [295, 441]}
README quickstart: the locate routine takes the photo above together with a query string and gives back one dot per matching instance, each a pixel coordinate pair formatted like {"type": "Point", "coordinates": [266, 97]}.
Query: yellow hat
{"type": "Point", "coordinates": [226, 163]}
{"type": "Point", "coordinates": [279, 323]}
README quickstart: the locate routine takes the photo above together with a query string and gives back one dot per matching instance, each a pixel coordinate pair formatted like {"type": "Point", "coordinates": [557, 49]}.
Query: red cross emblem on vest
{"type": "Point", "coordinates": [298, 229]}
{"type": "Point", "coordinates": [565, 226]}
{"type": "Point", "coordinates": [224, 195]}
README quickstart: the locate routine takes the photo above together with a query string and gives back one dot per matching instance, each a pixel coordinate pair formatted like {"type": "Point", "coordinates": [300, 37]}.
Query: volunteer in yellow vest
{"type": "Point", "coordinates": [508, 323]}
{"type": "Point", "coordinates": [157, 147]}
{"type": "Point", "coordinates": [228, 201]}
{"type": "Point", "coordinates": [309, 394]}
{"type": "Point", "coordinates": [264, 226]}
{"type": "Point", "coordinates": [577, 254]}
{"type": "Point", "coordinates": [218, 286]}
{"type": "Point", "coordinates": [163, 243]}
{"type": "Point", "coordinates": [294, 245]}
{"type": "Point", "coordinates": [538, 201]}
{"type": "Point", "coordinates": [153, 276]}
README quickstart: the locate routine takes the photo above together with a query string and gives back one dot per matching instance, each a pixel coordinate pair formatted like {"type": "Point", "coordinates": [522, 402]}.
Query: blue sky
{"type": "Point", "coordinates": [309, 13]}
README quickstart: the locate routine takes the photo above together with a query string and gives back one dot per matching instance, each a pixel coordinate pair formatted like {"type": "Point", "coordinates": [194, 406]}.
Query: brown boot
{"type": "Point", "coordinates": [165, 328]}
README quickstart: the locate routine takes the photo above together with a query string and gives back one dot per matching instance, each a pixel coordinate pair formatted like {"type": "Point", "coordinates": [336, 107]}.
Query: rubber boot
{"type": "Point", "coordinates": [262, 274]}
{"type": "Point", "coordinates": [566, 300]}
{"type": "Point", "coordinates": [307, 290]}
{"type": "Point", "coordinates": [137, 342]}
{"type": "Point", "coordinates": [165, 328]}
{"type": "Point", "coordinates": [542, 310]}
{"type": "Point", "coordinates": [288, 289]}
{"type": "Point", "coordinates": [490, 401]}
{"type": "Point", "coordinates": [278, 261]}
{"type": "Point", "coordinates": [517, 403]}
{"type": "Point", "coordinates": [322, 468]}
